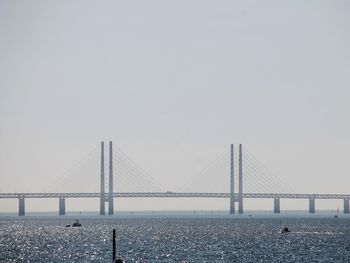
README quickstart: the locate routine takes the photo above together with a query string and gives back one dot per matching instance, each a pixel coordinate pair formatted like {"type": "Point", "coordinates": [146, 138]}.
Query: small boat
{"type": "Point", "coordinates": [285, 230]}
{"type": "Point", "coordinates": [76, 223]}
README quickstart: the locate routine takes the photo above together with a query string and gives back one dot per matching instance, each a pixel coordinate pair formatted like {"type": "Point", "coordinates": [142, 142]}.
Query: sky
{"type": "Point", "coordinates": [173, 84]}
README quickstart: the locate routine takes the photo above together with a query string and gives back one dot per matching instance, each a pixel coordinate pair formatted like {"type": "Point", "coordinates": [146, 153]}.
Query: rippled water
{"type": "Point", "coordinates": [175, 240]}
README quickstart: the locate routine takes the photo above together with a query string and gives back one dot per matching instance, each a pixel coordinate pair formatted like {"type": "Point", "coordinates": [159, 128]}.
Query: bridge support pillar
{"type": "Point", "coordinates": [102, 189]}
{"type": "Point", "coordinates": [346, 206]}
{"type": "Point", "coordinates": [62, 206]}
{"type": "Point", "coordinates": [312, 205]}
{"type": "Point", "coordinates": [21, 206]}
{"type": "Point", "coordinates": [240, 181]}
{"type": "Point", "coordinates": [276, 208]}
{"type": "Point", "coordinates": [232, 184]}
{"type": "Point", "coordinates": [110, 194]}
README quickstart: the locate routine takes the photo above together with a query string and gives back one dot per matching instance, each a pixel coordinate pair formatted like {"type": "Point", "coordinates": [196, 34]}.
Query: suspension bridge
{"type": "Point", "coordinates": [254, 181]}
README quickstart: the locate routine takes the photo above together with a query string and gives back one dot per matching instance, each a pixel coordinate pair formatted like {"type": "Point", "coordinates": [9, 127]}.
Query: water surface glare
{"type": "Point", "coordinates": [175, 240]}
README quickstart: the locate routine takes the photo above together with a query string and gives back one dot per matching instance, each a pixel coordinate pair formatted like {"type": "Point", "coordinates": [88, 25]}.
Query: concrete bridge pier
{"type": "Point", "coordinates": [276, 207]}
{"type": "Point", "coordinates": [312, 205]}
{"type": "Point", "coordinates": [21, 206]}
{"type": "Point", "coordinates": [346, 206]}
{"type": "Point", "coordinates": [62, 206]}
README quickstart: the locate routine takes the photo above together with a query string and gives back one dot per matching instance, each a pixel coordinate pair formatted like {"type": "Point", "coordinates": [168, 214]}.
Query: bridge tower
{"type": "Point", "coordinates": [232, 183]}
{"type": "Point", "coordinates": [110, 194]}
{"type": "Point", "coordinates": [240, 181]}
{"type": "Point", "coordinates": [103, 198]}
{"type": "Point", "coordinates": [102, 190]}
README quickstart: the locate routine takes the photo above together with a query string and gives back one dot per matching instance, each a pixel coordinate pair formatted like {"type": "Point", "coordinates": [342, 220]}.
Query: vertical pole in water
{"type": "Point", "coordinates": [232, 184]}
{"type": "Point", "coordinates": [114, 245]}
{"type": "Point", "coordinates": [102, 190]}
{"type": "Point", "coordinates": [110, 195]}
{"type": "Point", "coordinates": [240, 178]}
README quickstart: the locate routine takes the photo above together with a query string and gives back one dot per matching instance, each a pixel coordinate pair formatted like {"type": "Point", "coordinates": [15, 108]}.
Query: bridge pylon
{"type": "Point", "coordinates": [103, 197]}
{"type": "Point", "coordinates": [110, 194]}
{"type": "Point", "coordinates": [102, 189]}
{"type": "Point", "coordinates": [240, 180]}
{"type": "Point", "coordinates": [232, 183]}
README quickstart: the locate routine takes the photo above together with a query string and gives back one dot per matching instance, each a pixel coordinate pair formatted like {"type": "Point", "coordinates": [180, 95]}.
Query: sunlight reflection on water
{"type": "Point", "coordinates": [169, 240]}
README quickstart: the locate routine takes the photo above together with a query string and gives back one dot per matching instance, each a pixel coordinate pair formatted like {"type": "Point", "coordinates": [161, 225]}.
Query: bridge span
{"type": "Point", "coordinates": [275, 196]}
{"type": "Point", "coordinates": [173, 195]}
{"type": "Point", "coordinates": [233, 196]}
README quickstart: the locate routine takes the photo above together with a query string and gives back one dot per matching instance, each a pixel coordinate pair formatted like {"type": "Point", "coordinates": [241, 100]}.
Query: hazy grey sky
{"type": "Point", "coordinates": [167, 80]}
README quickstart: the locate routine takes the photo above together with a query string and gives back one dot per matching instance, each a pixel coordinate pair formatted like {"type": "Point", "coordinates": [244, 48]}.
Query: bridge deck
{"type": "Point", "coordinates": [174, 195]}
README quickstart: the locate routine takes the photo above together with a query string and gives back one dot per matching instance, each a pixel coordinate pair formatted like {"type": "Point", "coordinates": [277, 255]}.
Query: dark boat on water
{"type": "Point", "coordinates": [76, 223]}
{"type": "Point", "coordinates": [285, 230]}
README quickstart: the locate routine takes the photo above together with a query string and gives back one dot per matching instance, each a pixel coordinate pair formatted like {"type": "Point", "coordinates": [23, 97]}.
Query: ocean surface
{"type": "Point", "coordinates": [187, 239]}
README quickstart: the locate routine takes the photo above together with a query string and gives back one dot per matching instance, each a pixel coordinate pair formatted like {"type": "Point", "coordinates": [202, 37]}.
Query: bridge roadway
{"type": "Point", "coordinates": [174, 195]}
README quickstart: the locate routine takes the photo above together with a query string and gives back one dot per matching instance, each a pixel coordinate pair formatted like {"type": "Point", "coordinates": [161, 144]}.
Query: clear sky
{"type": "Point", "coordinates": [173, 83]}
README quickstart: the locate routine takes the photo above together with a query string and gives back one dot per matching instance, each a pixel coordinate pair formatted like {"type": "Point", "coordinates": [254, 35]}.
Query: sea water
{"type": "Point", "coordinates": [175, 239]}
